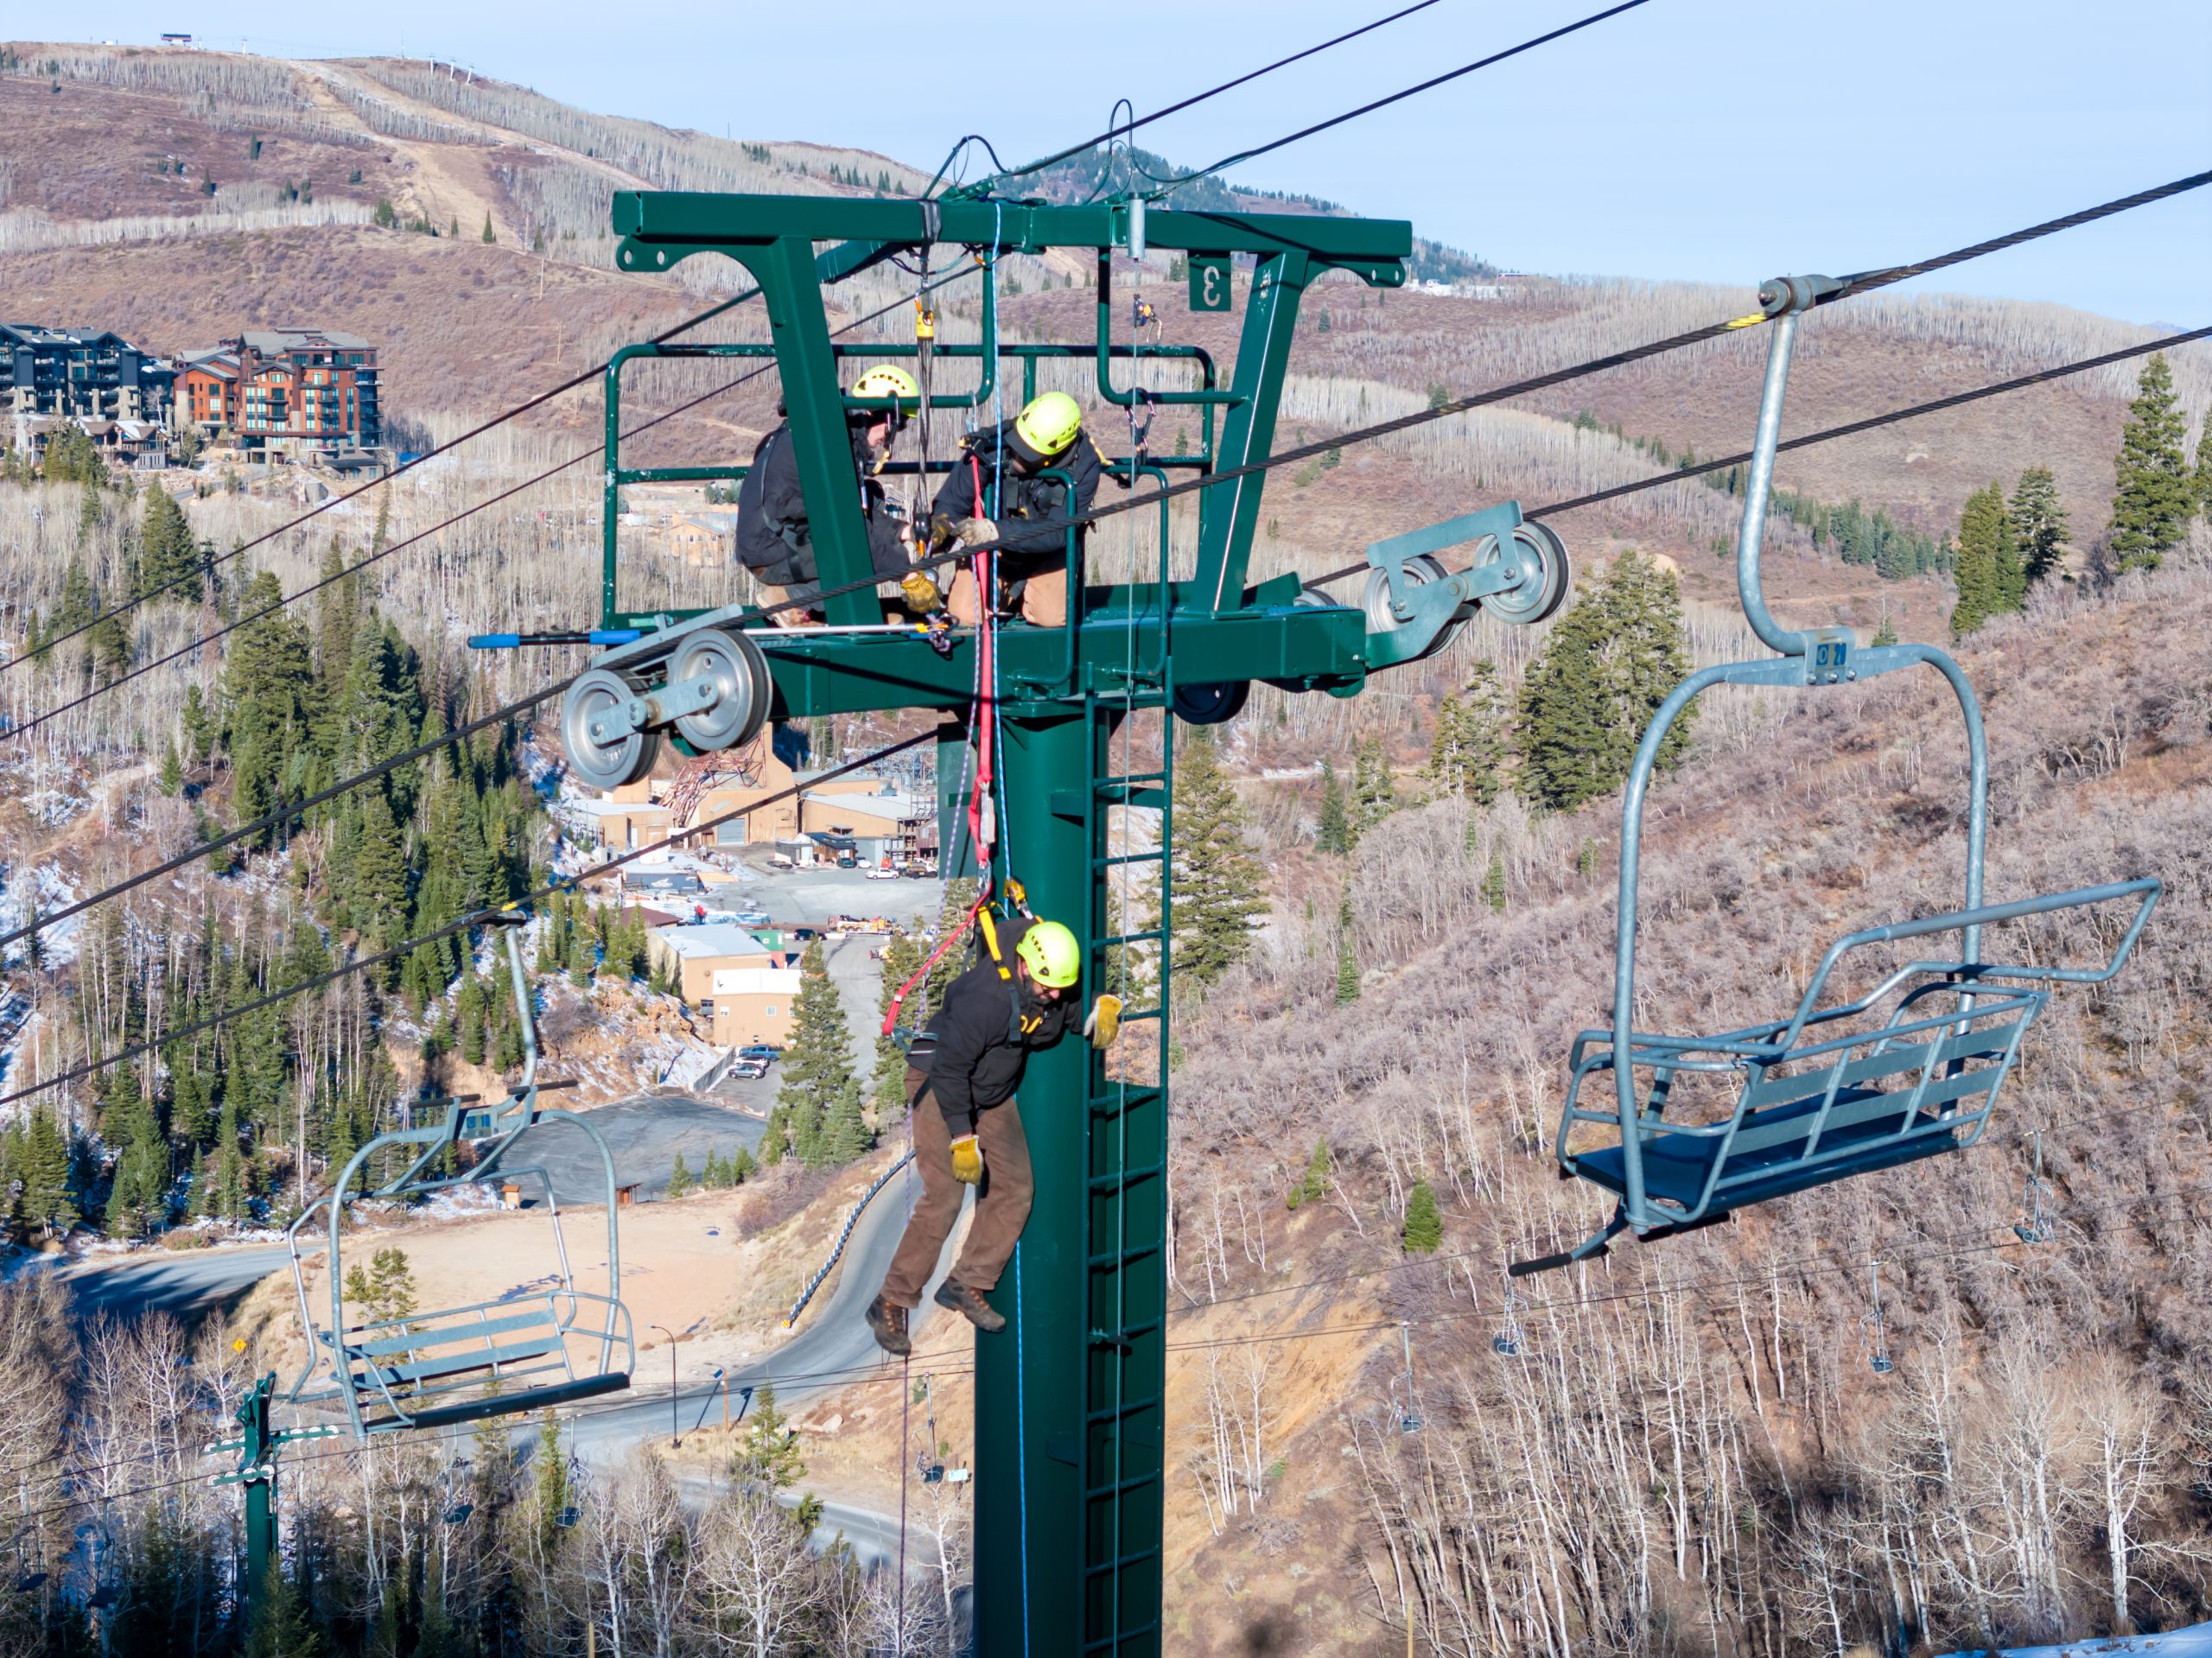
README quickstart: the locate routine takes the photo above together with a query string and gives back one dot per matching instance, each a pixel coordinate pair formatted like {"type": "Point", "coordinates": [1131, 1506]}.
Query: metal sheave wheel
{"type": "Point", "coordinates": [1375, 601]}
{"type": "Point", "coordinates": [740, 674]}
{"type": "Point", "coordinates": [597, 764]}
{"type": "Point", "coordinates": [1212, 704]}
{"type": "Point", "coordinates": [1548, 573]}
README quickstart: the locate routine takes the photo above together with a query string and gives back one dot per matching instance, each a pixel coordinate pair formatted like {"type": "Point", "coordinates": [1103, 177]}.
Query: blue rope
{"type": "Point", "coordinates": [1021, 1438]}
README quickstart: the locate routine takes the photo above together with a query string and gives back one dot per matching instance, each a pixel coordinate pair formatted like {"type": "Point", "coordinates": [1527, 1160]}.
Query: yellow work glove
{"type": "Point", "coordinates": [921, 592]}
{"type": "Point", "coordinates": [967, 1160]}
{"type": "Point", "coordinates": [1104, 1023]}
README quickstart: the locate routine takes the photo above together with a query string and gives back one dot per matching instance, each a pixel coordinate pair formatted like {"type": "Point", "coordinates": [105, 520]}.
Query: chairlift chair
{"type": "Point", "coordinates": [2034, 1225]}
{"type": "Point", "coordinates": [1406, 1416]}
{"type": "Point", "coordinates": [553, 1344]}
{"type": "Point", "coordinates": [1507, 1342]}
{"type": "Point", "coordinates": [1907, 1068]}
{"type": "Point", "coordinates": [1877, 1353]}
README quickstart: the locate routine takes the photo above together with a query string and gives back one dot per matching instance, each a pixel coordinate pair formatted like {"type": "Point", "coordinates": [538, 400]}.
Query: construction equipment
{"type": "Point", "coordinates": [1860, 1075]}
{"type": "Point", "coordinates": [543, 1345]}
{"type": "Point", "coordinates": [1042, 763]}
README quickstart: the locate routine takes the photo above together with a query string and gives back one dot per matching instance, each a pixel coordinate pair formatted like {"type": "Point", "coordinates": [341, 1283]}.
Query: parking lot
{"type": "Point", "coordinates": [809, 897]}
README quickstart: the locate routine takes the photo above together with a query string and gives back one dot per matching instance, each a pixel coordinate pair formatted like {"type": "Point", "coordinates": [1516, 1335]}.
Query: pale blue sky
{"type": "Point", "coordinates": [1691, 139]}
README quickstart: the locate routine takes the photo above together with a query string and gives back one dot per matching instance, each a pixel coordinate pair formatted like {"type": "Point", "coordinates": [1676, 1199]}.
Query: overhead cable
{"type": "Point", "coordinates": [1432, 82]}
{"type": "Point", "coordinates": [474, 919]}
{"type": "Point", "coordinates": [1851, 428]}
{"type": "Point", "coordinates": [1858, 284]}
{"type": "Point", "coordinates": [382, 553]}
{"type": "Point", "coordinates": [320, 507]}
{"type": "Point", "coordinates": [1123, 128]}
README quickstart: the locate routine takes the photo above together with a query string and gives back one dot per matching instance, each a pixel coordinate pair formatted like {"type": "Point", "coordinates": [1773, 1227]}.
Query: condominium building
{"type": "Point", "coordinates": [286, 388]}
{"type": "Point", "coordinates": [80, 373]}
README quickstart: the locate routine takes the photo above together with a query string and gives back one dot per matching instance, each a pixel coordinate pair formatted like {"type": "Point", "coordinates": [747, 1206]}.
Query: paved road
{"type": "Point", "coordinates": [834, 1348]}
{"type": "Point", "coordinates": [644, 1135]}
{"type": "Point", "coordinates": [189, 1284]}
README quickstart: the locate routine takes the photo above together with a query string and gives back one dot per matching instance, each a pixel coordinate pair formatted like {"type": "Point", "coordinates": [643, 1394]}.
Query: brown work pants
{"type": "Point", "coordinates": [1043, 599]}
{"type": "Point", "coordinates": [1001, 1201]}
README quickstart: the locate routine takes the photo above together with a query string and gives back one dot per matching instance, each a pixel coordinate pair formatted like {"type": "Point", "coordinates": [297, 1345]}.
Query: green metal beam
{"type": "Point", "coordinates": [1306, 647]}
{"type": "Point", "coordinates": [659, 227]}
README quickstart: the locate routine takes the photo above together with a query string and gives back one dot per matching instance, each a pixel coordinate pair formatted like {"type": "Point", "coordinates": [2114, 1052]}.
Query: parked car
{"type": "Point", "coordinates": [760, 1051]}
{"type": "Point", "coordinates": [751, 917]}
{"type": "Point", "coordinates": [751, 1070]}
{"type": "Point", "coordinates": [918, 872]}
{"type": "Point", "coordinates": [883, 874]}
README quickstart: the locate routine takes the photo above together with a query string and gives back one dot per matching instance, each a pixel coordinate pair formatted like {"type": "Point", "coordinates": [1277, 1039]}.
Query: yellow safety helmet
{"type": "Point", "coordinates": [1049, 950]}
{"type": "Point", "coordinates": [885, 380]}
{"type": "Point", "coordinates": [1049, 425]}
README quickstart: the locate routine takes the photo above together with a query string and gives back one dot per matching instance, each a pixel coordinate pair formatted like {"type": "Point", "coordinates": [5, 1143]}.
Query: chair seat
{"type": "Point", "coordinates": [1677, 1165]}
{"type": "Point", "coordinates": [504, 1404]}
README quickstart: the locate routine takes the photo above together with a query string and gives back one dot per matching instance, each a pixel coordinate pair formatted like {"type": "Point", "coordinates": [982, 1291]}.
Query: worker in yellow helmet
{"type": "Point", "coordinates": [1030, 523]}
{"type": "Point", "coordinates": [961, 1073]}
{"type": "Point", "coordinates": [774, 539]}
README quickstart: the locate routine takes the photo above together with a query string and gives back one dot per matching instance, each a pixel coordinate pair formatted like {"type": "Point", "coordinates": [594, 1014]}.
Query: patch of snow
{"type": "Point", "coordinates": [2195, 1642]}
{"type": "Point", "coordinates": [46, 889]}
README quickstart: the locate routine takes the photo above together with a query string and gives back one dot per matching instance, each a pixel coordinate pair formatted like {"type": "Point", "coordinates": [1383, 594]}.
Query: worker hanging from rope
{"type": "Point", "coordinates": [1031, 527]}
{"type": "Point", "coordinates": [963, 1072]}
{"type": "Point", "coordinates": [774, 540]}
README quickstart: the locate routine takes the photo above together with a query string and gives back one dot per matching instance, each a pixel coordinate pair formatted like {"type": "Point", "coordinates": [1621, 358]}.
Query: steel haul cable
{"type": "Point", "coordinates": [446, 447]}
{"type": "Point", "coordinates": [1850, 429]}
{"type": "Point", "coordinates": [354, 568]}
{"type": "Point", "coordinates": [474, 919]}
{"type": "Point", "coordinates": [1866, 282]}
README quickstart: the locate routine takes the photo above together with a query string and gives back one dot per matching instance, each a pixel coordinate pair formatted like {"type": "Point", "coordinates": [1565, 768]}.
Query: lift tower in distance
{"type": "Point", "coordinates": [1069, 1427]}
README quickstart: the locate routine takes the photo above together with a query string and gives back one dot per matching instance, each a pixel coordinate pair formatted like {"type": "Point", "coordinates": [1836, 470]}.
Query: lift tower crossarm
{"type": "Point", "coordinates": [774, 237]}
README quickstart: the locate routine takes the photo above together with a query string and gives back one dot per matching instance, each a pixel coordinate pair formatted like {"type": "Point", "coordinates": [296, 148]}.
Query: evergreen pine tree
{"type": "Point", "coordinates": [1314, 1185]}
{"type": "Point", "coordinates": [199, 728]}
{"type": "Point", "coordinates": [172, 771]}
{"type": "Point", "coordinates": [818, 1063]}
{"type": "Point", "coordinates": [1424, 1230]}
{"type": "Point", "coordinates": [1347, 955]}
{"type": "Point", "coordinates": [1887, 633]}
{"type": "Point", "coordinates": [281, 1625]}
{"type": "Point", "coordinates": [43, 1176]}
{"type": "Point", "coordinates": [168, 556]}
{"type": "Point", "coordinates": [679, 1179]}
{"type": "Point", "coordinates": [2155, 491]}
{"type": "Point", "coordinates": [1334, 831]}
{"type": "Point", "coordinates": [902, 959]}
{"type": "Point", "coordinates": [1988, 571]}
{"type": "Point", "coordinates": [741, 1164]}
{"type": "Point", "coordinates": [488, 237]}
{"type": "Point", "coordinates": [767, 1453]}
{"type": "Point", "coordinates": [1217, 881]}
{"type": "Point", "coordinates": [2201, 481]}
{"type": "Point", "coordinates": [2038, 522]}
{"type": "Point", "coordinates": [1609, 663]}
{"type": "Point", "coordinates": [1374, 790]}
{"type": "Point", "coordinates": [1494, 880]}
{"type": "Point", "coordinates": [844, 1132]}
{"type": "Point", "coordinates": [715, 1176]}
{"type": "Point", "coordinates": [1467, 757]}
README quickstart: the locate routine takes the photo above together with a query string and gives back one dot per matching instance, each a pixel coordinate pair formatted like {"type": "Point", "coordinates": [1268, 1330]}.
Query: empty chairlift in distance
{"type": "Point", "coordinates": [548, 1345]}
{"type": "Point", "coordinates": [1889, 1055]}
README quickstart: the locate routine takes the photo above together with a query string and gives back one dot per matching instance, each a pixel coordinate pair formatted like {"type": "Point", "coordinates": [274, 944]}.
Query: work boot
{"type": "Point", "coordinates": [887, 1320]}
{"type": "Point", "coordinates": [970, 1304]}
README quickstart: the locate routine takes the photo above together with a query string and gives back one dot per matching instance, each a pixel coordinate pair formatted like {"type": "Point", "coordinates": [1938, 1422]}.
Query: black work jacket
{"type": "Point", "coordinates": [1033, 517]}
{"type": "Point", "coordinates": [774, 538]}
{"type": "Point", "coordinates": [976, 1047]}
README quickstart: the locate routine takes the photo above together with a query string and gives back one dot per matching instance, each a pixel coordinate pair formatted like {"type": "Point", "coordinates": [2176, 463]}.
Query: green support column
{"type": "Point", "coordinates": [814, 399]}
{"type": "Point", "coordinates": [1029, 1427]}
{"type": "Point", "coordinates": [1228, 512]}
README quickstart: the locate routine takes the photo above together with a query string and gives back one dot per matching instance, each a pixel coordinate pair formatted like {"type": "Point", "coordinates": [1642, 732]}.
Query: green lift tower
{"type": "Point", "coordinates": [1069, 1420]}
